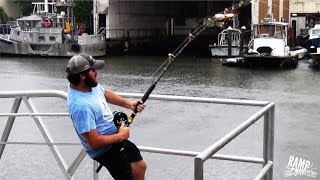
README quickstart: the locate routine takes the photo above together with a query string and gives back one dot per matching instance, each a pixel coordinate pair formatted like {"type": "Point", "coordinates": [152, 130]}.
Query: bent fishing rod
{"type": "Point", "coordinates": [120, 117]}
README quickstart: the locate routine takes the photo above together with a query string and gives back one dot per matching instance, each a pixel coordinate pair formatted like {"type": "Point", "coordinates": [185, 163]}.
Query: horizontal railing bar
{"type": "Point", "coordinates": [264, 170]}
{"type": "Point", "coordinates": [37, 143]}
{"type": "Point", "coordinates": [34, 114]}
{"type": "Point", "coordinates": [33, 93]}
{"type": "Point", "coordinates": [193, 154]}
{"type": "Point", "coordinates": [234, 133]}
{"type": "Point", "coordinates": [62, 94]}
{"type": "Point", "coordinates": [198, 99]}
{"type": "Point", "coordinates": [157, 150]}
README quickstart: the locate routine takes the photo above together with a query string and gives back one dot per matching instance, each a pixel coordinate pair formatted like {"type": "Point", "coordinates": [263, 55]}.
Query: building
{"type": "Point", "coordinates": [278, 8]}
{"type": "Point", "coordinates": [304, 13]}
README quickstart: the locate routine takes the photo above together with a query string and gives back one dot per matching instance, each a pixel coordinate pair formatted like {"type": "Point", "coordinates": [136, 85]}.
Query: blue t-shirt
{"type": "Point", "coordinates": [88, 111]}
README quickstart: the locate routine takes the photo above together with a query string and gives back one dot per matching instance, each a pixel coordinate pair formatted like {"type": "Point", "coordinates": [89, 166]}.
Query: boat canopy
{"type": "Point", "coordinates": [30, 18]}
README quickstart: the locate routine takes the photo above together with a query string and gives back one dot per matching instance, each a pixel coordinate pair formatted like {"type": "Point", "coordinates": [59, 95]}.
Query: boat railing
{"type": "Point", "coordinates": [115, 34]}
{"type": "Point", "coordinates": [266, 111]}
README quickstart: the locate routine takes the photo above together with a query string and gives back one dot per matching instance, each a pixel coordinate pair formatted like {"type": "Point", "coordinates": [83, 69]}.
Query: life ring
{"type": "Point", "coordinates": [75, 47]}
{"type": "Point", "coordinates": [46, 22]}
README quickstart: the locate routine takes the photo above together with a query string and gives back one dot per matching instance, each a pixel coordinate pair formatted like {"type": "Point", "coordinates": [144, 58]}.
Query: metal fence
{"type": "Point", "coordinates": [266, 111]}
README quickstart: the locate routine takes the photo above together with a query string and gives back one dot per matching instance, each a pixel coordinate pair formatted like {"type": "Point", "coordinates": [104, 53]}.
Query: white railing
{"type": "Point", "coordinates": [267, 111]}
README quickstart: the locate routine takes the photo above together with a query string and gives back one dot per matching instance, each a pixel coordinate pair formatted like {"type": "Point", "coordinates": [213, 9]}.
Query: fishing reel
{"type": "Point", "coordinates": [119, 118]}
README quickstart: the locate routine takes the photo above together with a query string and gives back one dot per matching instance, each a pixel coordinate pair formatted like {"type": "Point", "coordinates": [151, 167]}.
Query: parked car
{"type": "Point", "coordinates": [6, 28]}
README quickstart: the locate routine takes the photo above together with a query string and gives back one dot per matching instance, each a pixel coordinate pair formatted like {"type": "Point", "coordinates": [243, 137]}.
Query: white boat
{"type": "Point", "coordinates": [314, 37]}
{"type": "Point", "coordinates": [46, 33]}
{"type": "Point", "coordinates": [221, 49]}
{"type": "Point", "coordinates": [268, 47]}
{"type": "Point", "coordinates": [314, 57]}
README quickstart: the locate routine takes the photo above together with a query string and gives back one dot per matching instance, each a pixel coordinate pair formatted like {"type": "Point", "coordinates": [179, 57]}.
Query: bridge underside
{"type": "Point", "coordinates": [152, 23]}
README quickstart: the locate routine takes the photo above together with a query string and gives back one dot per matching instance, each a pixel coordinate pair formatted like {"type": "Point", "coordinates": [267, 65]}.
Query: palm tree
{"type": "Point", "coordinates": [3, 16]}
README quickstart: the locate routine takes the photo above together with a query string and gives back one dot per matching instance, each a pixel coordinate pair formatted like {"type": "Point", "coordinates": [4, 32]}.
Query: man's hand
{"type": "Point", "coordinates": [124, 132]}
{"type": "Point", "coordinates": [140, 107]}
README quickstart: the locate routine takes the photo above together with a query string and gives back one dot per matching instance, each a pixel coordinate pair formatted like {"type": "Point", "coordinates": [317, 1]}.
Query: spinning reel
{"type": "Point", "coordinates": [119, 118]}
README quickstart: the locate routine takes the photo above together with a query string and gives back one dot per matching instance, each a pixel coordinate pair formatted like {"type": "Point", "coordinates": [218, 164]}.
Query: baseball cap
{"type": "Point", "coordinates": [81, 62]}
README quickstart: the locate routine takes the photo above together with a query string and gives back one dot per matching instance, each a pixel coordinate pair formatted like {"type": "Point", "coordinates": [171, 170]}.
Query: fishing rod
{"type": "Point", "coordinates": [120, 117]}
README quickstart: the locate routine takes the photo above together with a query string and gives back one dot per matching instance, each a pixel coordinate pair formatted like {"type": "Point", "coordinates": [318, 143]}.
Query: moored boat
{"type": "Point", "coordinates": [269, 46]}
{"type": "Point", "coordinates": [222, 48]}
{"type": "Point", "coordinates": [315, 46]}
{"type": "Point", "coordinates": [47, 33]}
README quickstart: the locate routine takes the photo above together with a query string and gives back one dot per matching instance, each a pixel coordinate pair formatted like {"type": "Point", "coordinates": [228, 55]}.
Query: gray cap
{"type": "Point", "coordinates": [81, 62]}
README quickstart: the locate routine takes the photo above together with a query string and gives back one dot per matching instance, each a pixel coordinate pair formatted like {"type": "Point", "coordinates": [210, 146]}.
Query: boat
{"type": "Point", "coordinates": [314, 57]}
{"type": "Point", "coordinates": [232, 61]}
{"type": "Point", "coordinates": [221, 49]}
{"type": "Point", "coordinates": [314, 35]}
{"type": "Point", "coordinates": [47, 33]}
{"type": "Point", "coordinates": [314, 51]}
{"type": "Point", "coordinates": [268, 46]}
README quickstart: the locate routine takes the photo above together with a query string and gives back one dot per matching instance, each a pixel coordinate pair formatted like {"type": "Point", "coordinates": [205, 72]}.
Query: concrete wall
{"type": "Point", "coordinates": [134, 15]}
{"type": "Point", "coordinates": [304, 6]}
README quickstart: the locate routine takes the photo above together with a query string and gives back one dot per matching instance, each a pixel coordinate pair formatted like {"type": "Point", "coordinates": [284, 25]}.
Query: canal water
{"type": "Point", "coordinates": [173, 125]}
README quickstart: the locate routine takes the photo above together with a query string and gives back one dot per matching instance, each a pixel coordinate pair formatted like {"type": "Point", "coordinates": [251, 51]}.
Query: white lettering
{"type": "Point", "coordinates": [308, 165]}
{"type": "Point", "coordinates": [295, 163]}
{"type": "Point", "coordinates": [298, 166]}
{"type": "Point", "coordinates": [301, 165]}
{"type": "Point", "coordinates": [291, 158]}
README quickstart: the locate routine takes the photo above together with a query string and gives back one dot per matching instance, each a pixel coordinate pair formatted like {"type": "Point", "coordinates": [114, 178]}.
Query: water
{"type": "Point", "coordinates": [173, 125]}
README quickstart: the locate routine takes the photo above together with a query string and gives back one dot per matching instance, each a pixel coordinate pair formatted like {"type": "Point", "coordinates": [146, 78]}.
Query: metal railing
{"type": "Point", "coordinates": [267, 111]}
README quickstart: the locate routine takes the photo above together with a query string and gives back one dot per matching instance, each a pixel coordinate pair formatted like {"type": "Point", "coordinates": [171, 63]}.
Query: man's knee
{"type": "Point", "coordinates": [139, 167]}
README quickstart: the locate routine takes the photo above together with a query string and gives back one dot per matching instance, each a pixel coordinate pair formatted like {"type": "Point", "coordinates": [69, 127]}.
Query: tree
{"type": "Point", "coordinates": [26, 7]}
{"type": "Point", "coordinates": [3, 16]}
{"type": "Point", "coordinates": [82, 10]}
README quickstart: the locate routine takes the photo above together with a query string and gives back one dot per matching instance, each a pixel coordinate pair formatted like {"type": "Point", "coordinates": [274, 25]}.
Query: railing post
{"type": "Point", "coordinates": [271, 139]}
{"type": "Point", "coordinates": [268, 140]}
{"type": "Point", "coordinates": [198, 168]}
{"type": "Point", "coordinates": [9, 124]}
{"type": "Point", "coordinates": [95, 174]}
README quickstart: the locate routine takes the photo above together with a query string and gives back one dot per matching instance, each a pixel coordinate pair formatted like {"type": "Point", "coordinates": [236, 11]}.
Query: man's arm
{"type": "Point", "coordinates": [96, 140]}
{"type": "Point", "coordinates": [115, 99]}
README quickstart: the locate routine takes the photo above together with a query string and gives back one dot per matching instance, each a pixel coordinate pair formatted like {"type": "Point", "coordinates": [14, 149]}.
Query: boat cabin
{"type": "Point", "coordinates": [270, 34]}
{"type": "Point", "coordinates": [43, 27]}
{"type": "Point", "coordinates": [235, 37]}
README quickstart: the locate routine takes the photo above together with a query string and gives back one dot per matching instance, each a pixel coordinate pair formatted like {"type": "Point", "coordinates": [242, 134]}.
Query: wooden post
{"type": "Point", "coordinates": [229, 41]}
{"type": "Point", "coordinates": [243, 28]}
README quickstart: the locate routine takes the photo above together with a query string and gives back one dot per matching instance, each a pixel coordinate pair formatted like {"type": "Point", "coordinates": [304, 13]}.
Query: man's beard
{"type": "Point", "coordinates": [90, 82]}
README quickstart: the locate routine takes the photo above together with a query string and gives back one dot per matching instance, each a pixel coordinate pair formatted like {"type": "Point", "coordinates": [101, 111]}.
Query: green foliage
{"type": "Point", "coordinates": [3, 16]}
{"type": "Point", "coordinates": [83, 10]}
{"type": "Point", "coordinates": [26, 7]}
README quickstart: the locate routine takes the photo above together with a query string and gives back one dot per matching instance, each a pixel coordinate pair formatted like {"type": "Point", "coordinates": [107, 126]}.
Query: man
{"type": "Point", "coordinates": [93, 120]}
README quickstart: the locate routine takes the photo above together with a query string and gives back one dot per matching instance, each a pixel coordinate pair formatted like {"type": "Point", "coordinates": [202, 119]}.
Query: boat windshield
{"type": "Point", "coordinates": [267, 30]}
{"type": "Point", "coordinates": [315, 32]}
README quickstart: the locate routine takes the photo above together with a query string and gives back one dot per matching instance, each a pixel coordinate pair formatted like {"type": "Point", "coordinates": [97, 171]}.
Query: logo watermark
{"type": "Point", "coordinates": [300, 167]}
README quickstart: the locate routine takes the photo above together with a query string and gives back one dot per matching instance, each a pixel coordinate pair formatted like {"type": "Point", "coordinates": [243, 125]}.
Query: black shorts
{"type": "Point", "coordinates": [117, 160]}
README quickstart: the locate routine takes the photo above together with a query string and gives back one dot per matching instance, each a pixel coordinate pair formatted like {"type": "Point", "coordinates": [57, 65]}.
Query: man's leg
{"type": "Point", "coordinates": [117, 164]}
{"type": "Point", "coordinates": [138, 165]}
{"type": "Point", "coordinates": [139, 169]}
